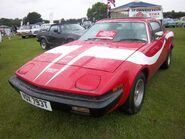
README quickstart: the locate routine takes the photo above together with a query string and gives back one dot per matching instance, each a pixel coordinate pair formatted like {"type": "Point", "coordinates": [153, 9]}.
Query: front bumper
{"type": "Point", "coordinates": [62, 100]}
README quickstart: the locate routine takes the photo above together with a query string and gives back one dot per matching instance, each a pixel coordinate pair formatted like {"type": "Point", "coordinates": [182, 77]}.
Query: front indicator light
{"type": "Point", "coordinates": [118, 87]}
{"type": "Point", "coordinates": [80, 109]}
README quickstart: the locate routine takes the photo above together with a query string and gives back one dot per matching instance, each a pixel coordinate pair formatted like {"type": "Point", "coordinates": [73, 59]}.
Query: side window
{"type": "Point", "coordinates": [63, 29]}
{"type": "Point", "coordinates": [155, 27]}
{"type": "Point", "coordinates": [54, 29]}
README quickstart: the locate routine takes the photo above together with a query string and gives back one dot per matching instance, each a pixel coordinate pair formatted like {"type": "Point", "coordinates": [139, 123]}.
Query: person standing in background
{"type": "Point", "coordinates": [108, 9]}
{"type": "Point", "coordinates": [0, 37]}
{"type": "Point", "coordinates": [109, 2]}
{"type": "Point", "coordinates": [8, 33]}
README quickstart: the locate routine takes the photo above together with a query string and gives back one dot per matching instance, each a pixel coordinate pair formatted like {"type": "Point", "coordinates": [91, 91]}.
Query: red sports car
{"type": "Point", "coordinates": [107, 68]}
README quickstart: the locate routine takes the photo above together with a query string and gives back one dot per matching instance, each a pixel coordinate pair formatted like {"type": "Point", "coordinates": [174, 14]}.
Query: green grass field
{"type": "Point", "coordinates": [162, 115]}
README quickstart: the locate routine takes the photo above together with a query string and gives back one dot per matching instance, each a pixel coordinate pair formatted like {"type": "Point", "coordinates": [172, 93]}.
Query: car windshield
{"type": "Point", "coordinates": [71, 27]}
{"type": "Point", "coordinates": [124, 31]}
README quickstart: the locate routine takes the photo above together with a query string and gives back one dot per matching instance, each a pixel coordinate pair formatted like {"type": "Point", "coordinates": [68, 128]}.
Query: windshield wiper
{"type": "Point", "coordinates": [89, 39]}
{"type": "Point", "coordinates": [97, 39]}
{"type": "Point", "coordinates": [133, 40]}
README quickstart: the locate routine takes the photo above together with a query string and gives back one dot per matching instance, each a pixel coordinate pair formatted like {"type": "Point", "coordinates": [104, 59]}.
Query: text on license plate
{"type": "Point", "coordinates": [43, 104]}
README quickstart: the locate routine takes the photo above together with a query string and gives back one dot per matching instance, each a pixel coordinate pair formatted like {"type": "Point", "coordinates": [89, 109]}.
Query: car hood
{"type": "Point", "coordinates": [78, 66]}
{"type": "Point", "coordinates": [99, 56]}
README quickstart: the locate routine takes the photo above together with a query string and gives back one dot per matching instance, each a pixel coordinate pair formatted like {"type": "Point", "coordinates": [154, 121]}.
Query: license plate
{"type": "Point", "coordinates": [43, 104]}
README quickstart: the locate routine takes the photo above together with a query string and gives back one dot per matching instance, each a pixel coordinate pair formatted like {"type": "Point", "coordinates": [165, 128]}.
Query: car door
{"type": "Point", "coordinates": [61, 37]}
{"type": "Point", "coordinates": [53, 34]}
{"type": "Point", "coordinates": [157, 45]}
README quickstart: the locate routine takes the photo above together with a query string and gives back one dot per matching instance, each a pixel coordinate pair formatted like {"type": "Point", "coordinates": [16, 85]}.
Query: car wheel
{"type": "Point", "coordinates": [43, 44]}
{"type": "Point", "coordinates": [136, 97]}
{"type": "Point", "coordinates": [167, 62]}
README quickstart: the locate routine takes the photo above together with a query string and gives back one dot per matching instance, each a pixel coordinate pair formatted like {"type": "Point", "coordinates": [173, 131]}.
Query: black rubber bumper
{"type": "Point", "coordinates": [64, 100]}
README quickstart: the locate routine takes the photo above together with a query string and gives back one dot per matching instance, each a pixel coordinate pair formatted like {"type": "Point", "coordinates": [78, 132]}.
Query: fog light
{"type": "Point", "coordinates": [80, 109]}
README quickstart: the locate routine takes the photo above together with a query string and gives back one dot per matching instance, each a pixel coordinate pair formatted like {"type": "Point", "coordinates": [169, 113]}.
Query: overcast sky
{"type": "Point", "coordinates": [68, 8]}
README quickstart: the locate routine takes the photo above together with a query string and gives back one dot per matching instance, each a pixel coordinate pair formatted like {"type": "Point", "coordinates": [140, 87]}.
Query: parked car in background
{"type": "Point", "coordinates": [59, 34]}
{"type": "Point", "coordinates": [2, 29]}
{"type": "Point", "coordinates": [87, 24]}
{"type": "Point", "coordinates": [107, 68]}
{"type": "Point", "coordinates": [28, 30]}
{"type": "Point", "coordinates": [23, 31]}
{"type": "Point", "coordinates": [45, 27]}
{"type": "Point", "coordinates": [181, 22]}
{"type": "Point", "coordinates": [35, 29]}
{"type": "Point", "coordinates": [169, 22]}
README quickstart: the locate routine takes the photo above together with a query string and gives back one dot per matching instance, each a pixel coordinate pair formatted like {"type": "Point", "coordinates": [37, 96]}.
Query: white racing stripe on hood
{"type": "Point", "coordinates": [116, 54]}
{"type": "Point", "coordinates": [65, 50]}
{"type": "Point", "coordinates": [98, 52]}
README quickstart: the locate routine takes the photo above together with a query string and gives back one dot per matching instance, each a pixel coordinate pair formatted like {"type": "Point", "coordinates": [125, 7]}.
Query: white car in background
{"type": "Point", "coordinates": [35, 29]}
{"type": "Point", "coordinates": [45, 27]}
{"type": "Point", "coordinates": [28, 30]}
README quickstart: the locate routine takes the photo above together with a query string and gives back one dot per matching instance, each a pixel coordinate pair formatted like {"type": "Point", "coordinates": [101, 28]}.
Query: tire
{"type": "Point", "coordinates": [136, 97]}
{"type": "Point", "coordinates": [44, 44]}
{"type": "Point", "coordinates": [167, 62]}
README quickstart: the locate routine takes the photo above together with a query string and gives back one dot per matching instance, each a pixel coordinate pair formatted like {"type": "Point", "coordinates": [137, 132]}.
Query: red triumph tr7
{"type": "Point", "coordinates": [107, 68]}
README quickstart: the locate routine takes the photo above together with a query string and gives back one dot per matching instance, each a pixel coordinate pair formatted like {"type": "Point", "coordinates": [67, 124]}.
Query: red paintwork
{"type": "Point", "coordinates": [95, 76]}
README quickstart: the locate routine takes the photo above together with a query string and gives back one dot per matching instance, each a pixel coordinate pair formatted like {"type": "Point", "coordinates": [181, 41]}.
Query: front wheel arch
{"type": "Point", "coordinates": [44, 44]}
{"type": "Point", "coordinates": [129, 106]}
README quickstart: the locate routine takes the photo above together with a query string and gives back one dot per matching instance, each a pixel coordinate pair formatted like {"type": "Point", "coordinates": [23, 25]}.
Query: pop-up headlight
{"type": "Point", "coordinates": [24, 69]}
{"type": "Point", "coordinates": [88, 82]}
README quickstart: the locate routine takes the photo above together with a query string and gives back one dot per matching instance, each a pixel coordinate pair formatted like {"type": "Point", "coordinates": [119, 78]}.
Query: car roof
{"type": "Point", "coordinates": [131, 19]}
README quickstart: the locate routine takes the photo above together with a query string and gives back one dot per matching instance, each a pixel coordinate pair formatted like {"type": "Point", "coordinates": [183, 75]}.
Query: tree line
{"type": "Point", "coordinates": [173, 14]}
